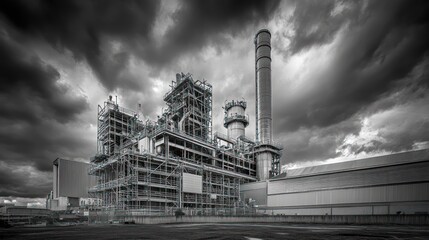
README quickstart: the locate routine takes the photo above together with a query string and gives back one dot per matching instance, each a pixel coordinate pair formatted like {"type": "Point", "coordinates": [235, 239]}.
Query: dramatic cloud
{"type": "Point", "coordinates": [20, 181]}
{"type": "Point", "coordinates": [31, 84]}
{"type": "Point", "coordinates": [107, 33]}
{"type": "Point", "coordinates": [350, 78]}
{"type": "Point", "coordinates": [86, 28]}
{"type": "Point", "coordinates": [198, 23]}
{"type": "Point", "coordinates": [365, 62]}
{"type": "Point", "coordinates": [356, 56]}
{"type": "Point", "coordinates": [316, 22]}
{"type": "Point", "coordinates": [37, 106]}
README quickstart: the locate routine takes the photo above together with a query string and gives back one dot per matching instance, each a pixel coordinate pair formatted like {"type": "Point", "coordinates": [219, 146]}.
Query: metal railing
{"type": "Point", "coordinates": [229, 119]}
{"type": "Point", "coordinates": [233, 103]}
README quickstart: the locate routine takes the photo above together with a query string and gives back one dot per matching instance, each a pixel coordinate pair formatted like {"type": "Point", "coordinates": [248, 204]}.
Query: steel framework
{"type": "Point", "coordinates": [140, 165]}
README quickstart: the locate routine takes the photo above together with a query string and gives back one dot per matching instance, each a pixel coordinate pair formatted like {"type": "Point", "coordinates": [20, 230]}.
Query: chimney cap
{"type": "Point", "coordinates": [263, 30]}
{"type": "Point", "coordinates": [259, 32]}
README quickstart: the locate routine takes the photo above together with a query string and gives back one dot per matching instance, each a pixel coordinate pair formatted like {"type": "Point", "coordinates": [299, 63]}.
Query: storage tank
{"type": "Point", "coordinates": [263, 86]}
{"type": "Point", "coordinates": [236, 119]}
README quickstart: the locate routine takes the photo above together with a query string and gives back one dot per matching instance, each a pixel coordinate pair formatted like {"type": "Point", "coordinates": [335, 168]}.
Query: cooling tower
{"type": "Point", "coordinates": [263, 86]}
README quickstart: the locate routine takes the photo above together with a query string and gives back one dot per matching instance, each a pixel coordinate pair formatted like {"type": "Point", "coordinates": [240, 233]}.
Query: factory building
{"type": "Point", "coordinates": [391, 184]}
{"type": "Point", "coordinates": [176, 161]}
{"type": "Point", "coordinates": [71, 183]}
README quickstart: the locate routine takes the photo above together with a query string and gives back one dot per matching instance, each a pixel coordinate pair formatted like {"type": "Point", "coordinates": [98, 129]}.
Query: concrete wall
{"type": "Point", "coordinates": [381, 219]}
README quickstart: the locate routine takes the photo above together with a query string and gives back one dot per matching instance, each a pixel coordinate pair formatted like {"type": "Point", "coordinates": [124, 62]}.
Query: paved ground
{"type": "Point", "coordinates": [250, 231]}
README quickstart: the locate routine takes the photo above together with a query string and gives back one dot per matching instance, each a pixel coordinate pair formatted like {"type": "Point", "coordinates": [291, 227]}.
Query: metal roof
{"type": "Point", "coordinates": [372, 162]}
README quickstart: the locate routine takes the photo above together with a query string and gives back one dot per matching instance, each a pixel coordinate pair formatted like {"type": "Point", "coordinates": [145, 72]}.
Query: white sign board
{"type": "Point", "coordinates": [192, 183]}
{"type": "Point", "coordinates": [144, 145]}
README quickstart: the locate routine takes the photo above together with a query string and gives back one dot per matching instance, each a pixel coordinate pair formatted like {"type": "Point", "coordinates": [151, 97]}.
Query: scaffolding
{"type": "Point", "coordinates": [190, 106]}
{"type": "Point", "coordinates": [140, 166]}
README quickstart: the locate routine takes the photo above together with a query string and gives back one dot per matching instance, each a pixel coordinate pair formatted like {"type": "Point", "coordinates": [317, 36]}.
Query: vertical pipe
{"type": "Point", "coordinates": [263, 86]}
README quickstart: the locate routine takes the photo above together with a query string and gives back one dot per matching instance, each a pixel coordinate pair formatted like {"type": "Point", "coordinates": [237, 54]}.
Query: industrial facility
{"type": "Point", "coordinates": [154, 167]}
{"type": "Point", "coordinates": [177, 161]}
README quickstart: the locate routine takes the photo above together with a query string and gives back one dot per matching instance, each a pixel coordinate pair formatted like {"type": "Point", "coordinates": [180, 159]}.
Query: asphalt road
{"type": "Point", "coordinates": [250, 231]}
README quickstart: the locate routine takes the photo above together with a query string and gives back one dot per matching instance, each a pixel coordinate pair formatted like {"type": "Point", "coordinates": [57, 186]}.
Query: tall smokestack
{"type": "Point", "coordinates": [263, 86]}
{"type": "Point", "coordinates": [266, 154]}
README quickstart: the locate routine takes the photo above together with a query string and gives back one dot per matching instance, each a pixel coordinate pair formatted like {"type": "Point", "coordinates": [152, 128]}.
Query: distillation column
{"type": "Point", "coordinates": [235, 119]}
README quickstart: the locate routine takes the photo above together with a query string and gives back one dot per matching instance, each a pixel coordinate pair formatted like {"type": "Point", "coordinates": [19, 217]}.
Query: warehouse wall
{"type": "Point", "coordinates": [71, 179]}
{"type": "Point", "coordinates": [393, 184]}
{"type": "Point", "coordinates": [379, 190]}
{"type": "Point", "coordinates": [415, 208]}
{"type": "Point", "coordinates": [415, 172]}
{"type": "Point", "coordinates": [390, 193]}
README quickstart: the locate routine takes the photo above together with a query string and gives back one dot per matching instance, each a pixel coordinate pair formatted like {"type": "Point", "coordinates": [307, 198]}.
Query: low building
{"type": "Point", "coordinates": [70, 184]}
{"type": "Point", "coordinates": [391, 184]}
{"type": "Point", "coordinates": [14, 215]}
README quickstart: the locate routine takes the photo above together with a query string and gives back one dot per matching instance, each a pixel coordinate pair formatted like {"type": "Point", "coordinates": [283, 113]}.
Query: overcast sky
{"type": "Point", "coordinates": [350, 78]}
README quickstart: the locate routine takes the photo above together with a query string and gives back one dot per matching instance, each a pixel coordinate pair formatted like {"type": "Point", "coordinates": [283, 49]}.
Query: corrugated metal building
{"type": "Point", "coordinates": [391, 184]}
{"type": "Point", "coordinates": [70, 183]}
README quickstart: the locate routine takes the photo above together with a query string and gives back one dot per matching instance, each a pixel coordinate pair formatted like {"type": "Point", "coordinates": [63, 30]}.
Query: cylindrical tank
{"type": "Point", "coordinates": [263, 86]}
{"type": "Point", "coordinates": [236, 120]}
{"type": "Point", "coordinates": [263, 165]}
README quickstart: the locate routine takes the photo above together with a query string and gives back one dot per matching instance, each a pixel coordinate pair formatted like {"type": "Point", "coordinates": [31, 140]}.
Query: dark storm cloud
{"type": "Point", "coordinates": [15, 180]}
{"type": "Point", "coordinates": [198, 23]}
{"type": "Point", "coordinates": [312, 144]}
{"type": "Point", "coordinates": [370, 62]}
{"type": "Point", "coordinates": [317, 22]}
{"type": "Point", "coordinates": [34, 104]}
{"type": "Point", "coordinates": [88, 28]}
{"type": "Point", "coordinates": [38, 144]}
{"type": "Point", "coordinates": [32, 146]}
{"type": "Point", "coordinates": [378, 45]}
{"type": "Point", "coordinates": [402, 127]}
{"type": "Point", "coordinates": [30, 89]}
{"type": "Point", "coordinates": [10, 182]}
{"type": "Point", "coordinates": [83, 27]}
{"type": "Point", "coordinates": [19, 183]}
{"type": "Point", "coordinates": [396, 122]}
